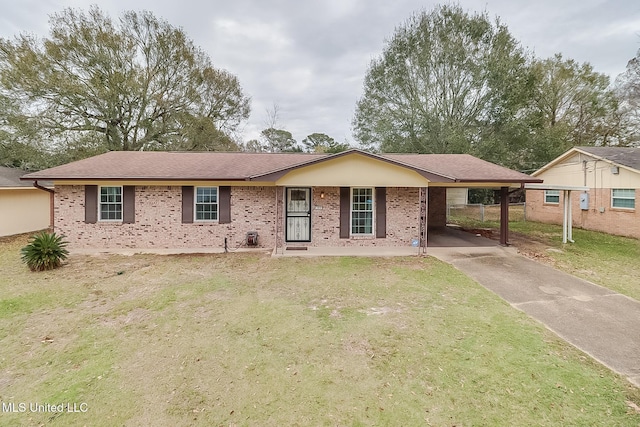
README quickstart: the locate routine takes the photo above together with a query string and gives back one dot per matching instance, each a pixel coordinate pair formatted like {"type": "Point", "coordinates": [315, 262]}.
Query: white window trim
{"type": "Point", "coordinates": [551, 203]}
{"type": "Point", "coordinates": [195, 204]}
{"type": "Point", "coordinates": [623, 198]}
{"type": "Point", "coordinates": [373, 213]}
{"type": "Point", "coordinates": [100, 203]}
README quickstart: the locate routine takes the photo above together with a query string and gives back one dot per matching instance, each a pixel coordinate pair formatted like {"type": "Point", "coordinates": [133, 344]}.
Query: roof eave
{"type": "Point", "coordinates": [149, 178]}
{"type": "Point", "coordinates": [558, 160]}
{"type": "Point", "coordinates": [506, 181]}
{"type": "Point", "coordinates": [610, 161]}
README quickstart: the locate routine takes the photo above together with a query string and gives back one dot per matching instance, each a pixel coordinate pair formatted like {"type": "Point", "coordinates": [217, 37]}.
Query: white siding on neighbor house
{"type": "Point", "coordinates": [583, 170]}
{"type": "Point", "coordinates": [23, 210]}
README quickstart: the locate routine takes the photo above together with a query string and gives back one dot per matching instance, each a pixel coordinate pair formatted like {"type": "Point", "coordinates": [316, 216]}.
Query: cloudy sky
{"type": "Point", "coordinates": [309, 57]}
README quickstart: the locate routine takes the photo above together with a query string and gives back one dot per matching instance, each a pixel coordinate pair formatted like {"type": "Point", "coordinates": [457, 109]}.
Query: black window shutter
{"type": "Point", "coordinates": [187, 204]}
{"type": "Point", "coordinates": [128, 204]}
{"type": "Point", "coordinates": [224, 205]}
{"type": "Point", "coordinates": [90, 204]}
{"type": "Point", "coordinates": [345, 211]}
{"type": "Point", "coordinates": [381, 212]}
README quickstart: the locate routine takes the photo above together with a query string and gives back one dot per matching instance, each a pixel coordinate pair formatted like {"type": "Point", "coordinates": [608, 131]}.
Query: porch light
{"type": "Point", "coordinates": [322, 194]}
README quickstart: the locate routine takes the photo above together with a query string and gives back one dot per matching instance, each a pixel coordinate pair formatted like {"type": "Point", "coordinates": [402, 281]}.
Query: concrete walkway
{"type": "Point", "coordinates": [598, 321]}
{"type": "Point", "coordinates": [362, 251]}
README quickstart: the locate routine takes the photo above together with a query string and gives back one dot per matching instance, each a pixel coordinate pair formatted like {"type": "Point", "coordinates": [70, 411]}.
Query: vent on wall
{"type": "Point", "coordinates": [615, 170]}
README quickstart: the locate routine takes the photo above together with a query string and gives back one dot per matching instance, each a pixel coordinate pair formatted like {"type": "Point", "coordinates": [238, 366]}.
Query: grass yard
{"type": "Point", "coordinates": [604, 259]}
{"type": "Point", "coordinates": [248, 340]}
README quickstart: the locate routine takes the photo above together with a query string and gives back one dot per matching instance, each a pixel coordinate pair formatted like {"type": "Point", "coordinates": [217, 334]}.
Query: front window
{"type": "Point", "coordinates": [362, 211]}
{"type": "Point", "coordinates": [624, 198]}
{"type": "Point", "coordinates": [110, 203]}
{"type": "Point", "coordinates": [552, 196]}
{"type": "Point", "coordinates": [206, 204]}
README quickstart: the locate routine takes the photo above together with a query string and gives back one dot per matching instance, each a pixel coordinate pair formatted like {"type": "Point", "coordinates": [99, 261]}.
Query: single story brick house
{"type": "Point", "coordinates": [612, 175]}
{"type": "Point", "coordinates": [23, 207]}
{"type": "Point", "coordinates": [195, 200]}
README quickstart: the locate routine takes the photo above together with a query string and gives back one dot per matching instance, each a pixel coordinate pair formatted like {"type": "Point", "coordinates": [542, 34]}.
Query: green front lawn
{"type": "Point", "coordinates": [250, 340]}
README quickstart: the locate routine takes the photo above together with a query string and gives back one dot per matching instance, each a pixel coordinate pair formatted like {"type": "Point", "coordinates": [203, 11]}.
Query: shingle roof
{"type": "Point", "coordinates": [10, 177]}
{"type": "Point", "coordinates": [163, 165]}
{"type": "Point", "coordinates": [461, 167]}
{"type": "Point", "coordinates": [155, 165]}
{"type": "Point", "coordinates": [624, 156]}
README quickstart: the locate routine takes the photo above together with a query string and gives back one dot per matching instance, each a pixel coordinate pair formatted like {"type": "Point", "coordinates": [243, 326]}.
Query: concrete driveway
{"type": "Point", "coordinates": [598, 321]}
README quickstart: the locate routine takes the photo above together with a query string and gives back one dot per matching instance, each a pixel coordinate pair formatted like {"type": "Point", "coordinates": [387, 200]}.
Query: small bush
{"type": "Point", "coordinates": [45, 251]}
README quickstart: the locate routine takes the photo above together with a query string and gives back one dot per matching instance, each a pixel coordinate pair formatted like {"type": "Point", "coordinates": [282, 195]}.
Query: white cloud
{"type": "Point", "coordinates": [629, 27]}
{"type": "Point", "coordinates": [266, 41]}
{"type": "Point", "coordinates": [311, 57]}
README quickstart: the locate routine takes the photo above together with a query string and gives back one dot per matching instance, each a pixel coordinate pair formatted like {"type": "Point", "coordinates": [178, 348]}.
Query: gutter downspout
{"type": "Point", "coordinates": [51, 196]}
{"type": "Point", "coordinates": [40, 187]}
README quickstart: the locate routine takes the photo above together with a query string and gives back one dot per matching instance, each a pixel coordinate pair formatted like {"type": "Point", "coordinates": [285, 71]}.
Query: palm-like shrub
{"type": "Point", "coordinates": [45, 251]}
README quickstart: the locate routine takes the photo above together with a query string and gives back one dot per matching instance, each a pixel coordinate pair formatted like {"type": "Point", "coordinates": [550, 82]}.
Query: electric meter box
{"type": "Point", "coordinates": [584, 201]}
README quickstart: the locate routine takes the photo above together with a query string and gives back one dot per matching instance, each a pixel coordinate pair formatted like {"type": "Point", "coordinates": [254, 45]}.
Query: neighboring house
{"type": "Point", "coordinates": [613, 177]}
{"type": "Point", "coordinates": [200, 200]}
{"type": "Point", "coordinates": [23, 207]}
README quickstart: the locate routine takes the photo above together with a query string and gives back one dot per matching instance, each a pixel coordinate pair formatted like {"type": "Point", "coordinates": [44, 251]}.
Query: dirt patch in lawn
{"type": "Point", "coordinates": [532, 247]}
{"type": "Point", "coordinates": [244, 339]}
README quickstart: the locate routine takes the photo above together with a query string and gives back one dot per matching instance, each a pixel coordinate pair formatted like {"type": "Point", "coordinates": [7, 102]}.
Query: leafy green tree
{"type": "Point", "coordinates": [569, 105]}
{"type": "Point", "coordinates": [322, 143]}
{"type": "Point", "coordinates": [446, 82]}
{"type": "Point", "coordinates": [628, 91]}
{"type": "Point", "coordinates": [253, 146]}
{"type": "Point", "coordinates": [134, 84]}
{"type": "Point", "coordinates": [279, 140]}
{"type": "Point", "coordinates": [572, 106]}
{"type": "Point", "coordinates": [20, 149]}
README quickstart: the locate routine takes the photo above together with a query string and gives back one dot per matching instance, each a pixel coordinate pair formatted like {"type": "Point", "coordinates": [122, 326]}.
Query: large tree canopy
{"type": "Point", "coordinates": [446, 81]}
{"type": "Point", "coordinates": [132, 84]}
{"type": "Point", "coordinates": [569, 105]}
{"type": "Point", "coordinates": [572, 105]}
{"type": "Point", "coordinates": [628, 88]}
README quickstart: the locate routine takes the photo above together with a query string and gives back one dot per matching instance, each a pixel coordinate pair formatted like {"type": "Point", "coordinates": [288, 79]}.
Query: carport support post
{"type": "Point", "coordinates": [504, 216]}
{"type": "Point", "coordinates": [567, 221]}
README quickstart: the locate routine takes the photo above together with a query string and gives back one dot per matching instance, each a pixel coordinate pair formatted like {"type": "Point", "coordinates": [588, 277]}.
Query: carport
{"type": "Point", "coordinates": [437, 206]}
{"type": "Point", "coordinates": [567, 223]}
{"type": "Point", "coordinates": [459, 171]}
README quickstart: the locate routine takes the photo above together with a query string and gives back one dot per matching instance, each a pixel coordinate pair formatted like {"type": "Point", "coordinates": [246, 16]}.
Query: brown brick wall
{"type": "Point", "coordinates": [402, 219]}
{"type": "Point", "coordinates": [437, 207]}
{"type": "Point", "coordinates": [158, 220]}
{"type": "Point", "coordinates": [622, 222]}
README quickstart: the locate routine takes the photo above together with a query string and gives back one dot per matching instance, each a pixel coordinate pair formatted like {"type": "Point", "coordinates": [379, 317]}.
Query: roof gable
{"type": "Point", "coordinates": [354, 168]}
{"type": "Point", "coordinates": [627, 157]}
{"type": "Point", "coordinates": [381, 159]}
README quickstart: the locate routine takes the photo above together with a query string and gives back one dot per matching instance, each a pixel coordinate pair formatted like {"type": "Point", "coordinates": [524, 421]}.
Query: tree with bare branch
{"type": "Point", "coordinates": [136, 83]}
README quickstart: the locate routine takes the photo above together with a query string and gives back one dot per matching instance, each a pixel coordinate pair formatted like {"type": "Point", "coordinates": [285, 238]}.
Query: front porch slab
{"type": "Point", "coordinates": [349, 251]}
